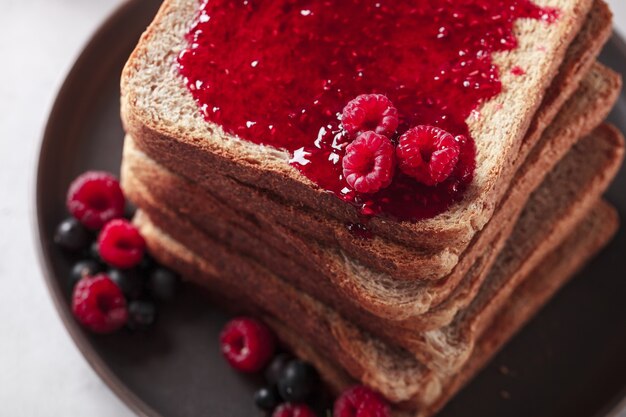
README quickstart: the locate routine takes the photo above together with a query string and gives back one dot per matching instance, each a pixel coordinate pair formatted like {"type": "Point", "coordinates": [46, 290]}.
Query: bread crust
{"type": "Point", "coordinates": [415, 306]}
{"type": "Point", "coordinates": [178, 137]}
{"type": "Point", "coordinates": [534, 292]}
{"type": "Point", "coordinates": [553, 211]}
{"type": "Point", "coordinates": [319, 330]}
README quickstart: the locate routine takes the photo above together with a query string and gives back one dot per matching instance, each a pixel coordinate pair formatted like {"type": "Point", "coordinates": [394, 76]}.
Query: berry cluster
{"type": "Point", "coordinates": [292, 384]}
{"type": "Point", "coordinates": [114, 281]}
{"type": "Point", "coordinates": [426, 153]}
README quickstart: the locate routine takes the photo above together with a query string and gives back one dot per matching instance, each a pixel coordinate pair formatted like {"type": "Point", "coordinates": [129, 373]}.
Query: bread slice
{"type": "Point", "coordinates": [524, 303]}
{"type": "Point", "coordinates": [161, 115]}
{"type": "Point", "coordinates": [534, 292]}
{"type": "Point", "coordinates": [381, 366]}
{"type": "Point", "coordinates": [400, 261]}
{"type": "Point", "coordinates": [406, 303]}
{"type": "Point", "coordinates": [552, 211]}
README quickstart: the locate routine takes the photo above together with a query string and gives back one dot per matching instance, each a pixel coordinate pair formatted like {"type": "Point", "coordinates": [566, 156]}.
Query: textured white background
{"type": "Point", "coordinates": [41, 372]}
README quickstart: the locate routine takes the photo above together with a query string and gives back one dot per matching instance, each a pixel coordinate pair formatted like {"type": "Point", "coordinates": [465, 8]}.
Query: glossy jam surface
{"type": "Point", "coordinates": [280, 72]}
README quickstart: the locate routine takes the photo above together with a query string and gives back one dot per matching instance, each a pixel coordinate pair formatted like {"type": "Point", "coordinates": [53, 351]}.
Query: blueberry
{"type": "Point", "coordinates": [276, 367]}
{"type": "Point", "coordinates": [141, 314]}
{"type": "Point", "coordinates": [298, 381]}
{"type": "Point", "coordinates": [266, 398]}
{"type": "Point", "coordinates": [85, 268]}
{"type": "Point", "coordinates": [162, 283]}
{"type": "Point", "coordinates": [129, 211]}
{"type": "Point", "coordinates": [94, 252]}
{"type": "Point", "coordinates": [129, 281]}
{"type": "Point", "coordinates": [147, 264]}
{"type": "Point", "coordinates": [71, 235]}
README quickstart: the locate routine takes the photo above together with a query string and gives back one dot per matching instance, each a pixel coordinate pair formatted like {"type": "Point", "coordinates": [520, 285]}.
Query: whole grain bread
{"type": "Point", "coordinates": [532, 294]}
{"type": "Point", "coordinates": [554, 208]}
{"type": "Point", "coordinates": [413, 305]}
{"type": "Point", "coordinates": [400, 261]}
{"type": "Point", "coordinates": [161, 115]}
{"type": "Point", "coordinates": [385, 368]}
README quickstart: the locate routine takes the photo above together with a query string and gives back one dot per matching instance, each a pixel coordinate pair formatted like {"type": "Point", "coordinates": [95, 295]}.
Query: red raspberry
{"type": "Point", "coordinates": [369, 163]}
{"type": "Point", "coordinates": [370, 112]}
{"type": "Point", "coordinates": [99, 305]}
{"type": "Point", "coordinates": [120, 244]}
{"type": "Point", "coordinates": [94, 198]}
{"type": "Point", "coordinates": [293, 410]}
{"type": "Point", "coordinates": [247, 344]}
{"type": "Point", "coordinates": [428, 154]}
{"type": "Point", "coordinates": [360, 401]}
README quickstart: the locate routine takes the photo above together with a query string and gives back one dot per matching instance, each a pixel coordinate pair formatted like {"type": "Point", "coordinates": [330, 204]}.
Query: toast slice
{"type": "Point", "coordinates": [411, 305]}
{"type": "Point", "coordinates": [385, 368]}
{"type": "Point", "coordinates": [553, 210]}
{"type": "Point", "coordinates": [162, 116]}
{"type": "Point", "coordinates": [400, 261]}
{"type": "Point", "coordinates": [525, 302]}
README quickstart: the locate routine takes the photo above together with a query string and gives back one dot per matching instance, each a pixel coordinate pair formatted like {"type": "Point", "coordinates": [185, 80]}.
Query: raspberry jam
{"type": "Point", "coordinates": [280, 72]}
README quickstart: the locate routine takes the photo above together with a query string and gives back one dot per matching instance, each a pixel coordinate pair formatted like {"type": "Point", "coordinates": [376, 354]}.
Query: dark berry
{"type": "Point", "coordinates": [83, 269]}
{"type": "Point", "coordinates": [370, 112]}
{"type": "Point", "coordinates": [94, 252]}
{"type": "Point", "coordinates": [120, 244]}
{"type": "Point", "coordinates": [266, 398]}
{"type": "Point", "coordinates": [276, 367]}
{"type": "Point", "coordinates": [428, 154]}
{"type": "Point", "coordinates": [99, 305]}
{"type": "Point", "coordinates": [71, 235]}
{"type": "Point", "coordinates": [147, 264]}
{"type": "Point", "coordinates": [298, 381]}
{"type": "Point", "coordinates": [293, 410]}
{"type": "Point", "coordinates": [162, 283]}
{"type": "Point", "coordinates": [129, 281]}
{"type": "Point", "coordinates": [95, 198]}
{"type": "Point", "coordinates": [141, 314]}
{"type": "Point", "coordinates": [129, 211]}
{"type": "Point", "coordinates": [369, 163]}
{"type": "Point", "coordinates": [360, 401]}
{"type": "Point", "coordinates": [247, 344]}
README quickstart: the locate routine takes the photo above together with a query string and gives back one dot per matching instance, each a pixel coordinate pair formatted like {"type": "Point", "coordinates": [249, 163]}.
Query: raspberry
{"type": "Point", "coordinates": [94, 198]}
{"type": "Point", "coordinates": [428, 154]}
{"type": "Point", "coordinates": [360, 401]}
{"type": "Point", "coordinates": [293, 410]}
{"type": "Point", "coordinates": [369, 163]}
{"type": "Point", "coordinates": [247, 344]}
{"type": "Point", "coordinates": [370, 112]}
{"type": "Point", "coordinates": [99, 305]}
{"type": "Point", "coordinates": [120, 244]}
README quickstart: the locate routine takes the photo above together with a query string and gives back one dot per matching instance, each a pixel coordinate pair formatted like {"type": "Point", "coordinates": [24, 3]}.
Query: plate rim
{"type": "Point", "coordinates": [77, 334]}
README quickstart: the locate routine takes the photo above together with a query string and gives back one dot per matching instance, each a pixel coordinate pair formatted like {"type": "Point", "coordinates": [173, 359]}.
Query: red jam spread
{"type": "Point", "coordinates": [280, 72]}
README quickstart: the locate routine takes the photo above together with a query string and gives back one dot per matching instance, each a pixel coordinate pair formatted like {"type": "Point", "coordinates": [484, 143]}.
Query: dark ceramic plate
{"type": "Point", "coordinates": [568, 362]}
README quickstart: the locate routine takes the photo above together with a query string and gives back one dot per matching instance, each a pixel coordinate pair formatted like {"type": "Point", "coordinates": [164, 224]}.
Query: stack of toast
{"type": "Point", "coordinates": [415, 308]}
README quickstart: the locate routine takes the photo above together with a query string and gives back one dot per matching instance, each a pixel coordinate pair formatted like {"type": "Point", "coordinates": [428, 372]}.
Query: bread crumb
{"type": "Point", "coordinates": [505, 395]}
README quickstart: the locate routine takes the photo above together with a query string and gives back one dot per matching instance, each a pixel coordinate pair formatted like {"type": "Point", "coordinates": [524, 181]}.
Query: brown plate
{"type": "Point", "coordinates": [570, 361]}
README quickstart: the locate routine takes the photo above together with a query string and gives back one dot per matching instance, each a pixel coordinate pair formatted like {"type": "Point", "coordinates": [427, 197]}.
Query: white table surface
{"type": "Point", "coordinates": [41, 371]}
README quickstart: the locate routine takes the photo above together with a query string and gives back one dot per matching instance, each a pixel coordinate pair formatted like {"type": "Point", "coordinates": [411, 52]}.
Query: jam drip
{"type": "Point", "coordinates": [280, 72]}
